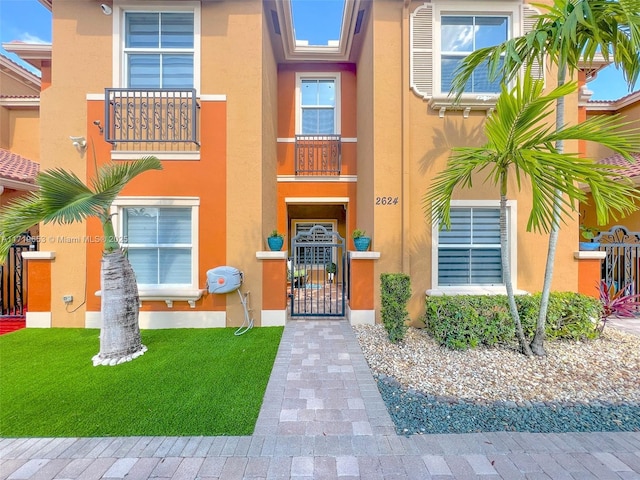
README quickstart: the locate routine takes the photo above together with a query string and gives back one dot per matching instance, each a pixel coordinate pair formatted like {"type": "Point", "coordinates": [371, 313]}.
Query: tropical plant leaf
{"type": "Point", "coordinates": [63, 198]}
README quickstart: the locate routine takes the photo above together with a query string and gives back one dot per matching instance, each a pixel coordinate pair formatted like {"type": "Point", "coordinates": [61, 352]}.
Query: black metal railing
{"type": "Point", "coordinates": [13, 276]}
{"type": "Point", "coordinates": [318, 155]}
{"type": "Point", "coordinates": [152, 115]}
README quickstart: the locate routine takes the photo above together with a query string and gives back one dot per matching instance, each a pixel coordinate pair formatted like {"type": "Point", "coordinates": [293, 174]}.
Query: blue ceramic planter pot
{"type": "Point", "coordinates": [589, 246]}
{"type": "Point", "coordinates": [362, 243]}
{"type": "Point", "coordinates": [275, 243]}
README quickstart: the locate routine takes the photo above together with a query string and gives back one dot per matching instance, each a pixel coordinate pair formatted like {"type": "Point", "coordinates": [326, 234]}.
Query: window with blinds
{"type": "Point", "coordinates": [469, 252]}
{"type": "Point", "coordinates": [442, 33]}
{"type": "Point", "coordinates": [159, 49]}
{"type": "Point", "coordinates": [159, 244]}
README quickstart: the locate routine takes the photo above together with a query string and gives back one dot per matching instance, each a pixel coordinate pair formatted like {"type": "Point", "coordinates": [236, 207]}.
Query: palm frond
{"type": "Point", "coordinates": [64, 198]}
{"type": "Point", "coordinates": [112, 177]}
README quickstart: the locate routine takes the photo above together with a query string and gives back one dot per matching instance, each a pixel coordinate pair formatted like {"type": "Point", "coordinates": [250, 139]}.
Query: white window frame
{"type": "Point", "coordinates": [335, 76]}
{"type": "Point", "coordinates": [442, 8]}
{"type": "Point", "coordinates": [425, 48]}
{"type": "Point", "coordinates": [441, 53]}
{"type": "Point", "coordinates": [119, 58]}
{"type": "Point", "coordinates": [194, 203]}
{"type": "Point", "coordinates": [512, 246]}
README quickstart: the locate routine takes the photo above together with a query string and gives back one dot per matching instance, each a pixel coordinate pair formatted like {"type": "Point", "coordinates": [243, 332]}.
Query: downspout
{"type": "Point", "coordinates": [405, 186]}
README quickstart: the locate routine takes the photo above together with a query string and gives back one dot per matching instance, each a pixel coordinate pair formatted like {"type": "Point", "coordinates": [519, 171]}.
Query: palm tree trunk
{"type": "Point", "coordinates": [120, 334]}
{"type": "Point", "coordinates": [506, 270]}
{"type": "Point", "coordinates": [537, 345]}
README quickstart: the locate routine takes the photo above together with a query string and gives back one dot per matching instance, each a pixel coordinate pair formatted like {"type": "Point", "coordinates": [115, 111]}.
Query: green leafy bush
{"type": "Point", "coordinates": [467, 321]}
{"type": "Point", "coordinates": [570, 315]}
{"type": "Point", "coordinates": [395, 293]}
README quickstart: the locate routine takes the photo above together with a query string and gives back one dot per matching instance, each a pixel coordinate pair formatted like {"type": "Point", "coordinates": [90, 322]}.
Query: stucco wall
{"type": "Point", "coordinates": [232, 55]}
{"type": "Point", "coordinates": [22, 132]}
{"type": "Point", "coordinates": [427, 142]}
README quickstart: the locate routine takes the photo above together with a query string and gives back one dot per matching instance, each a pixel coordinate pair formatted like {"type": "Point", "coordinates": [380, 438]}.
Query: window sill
{"type": "Point", "coordinates": [168, 295]}
{"type": "Point", "coordinates": [137, 154]}
{"type": "Point", "coordinates": [471, 290]}
{"type": "Point", "coordinates": [483, 102]}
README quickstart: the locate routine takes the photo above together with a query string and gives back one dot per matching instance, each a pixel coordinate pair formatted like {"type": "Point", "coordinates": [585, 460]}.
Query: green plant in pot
{"type": "Point", "coordinates": [588, 234]}
{"type": "Point", "coordinates": [360, 240]}
{"type": "Point", "coordinates": [275, 241]}
{"type": "Point", "coordinates": [331, 269]}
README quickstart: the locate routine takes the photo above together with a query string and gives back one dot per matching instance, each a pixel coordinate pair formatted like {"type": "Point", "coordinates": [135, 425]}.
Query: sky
{"type": "Point", "coordinates": [317, 21]}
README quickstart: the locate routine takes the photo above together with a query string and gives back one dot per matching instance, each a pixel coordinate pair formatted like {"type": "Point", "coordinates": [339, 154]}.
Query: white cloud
{"type": "Point", "coordinates": [29, 38]}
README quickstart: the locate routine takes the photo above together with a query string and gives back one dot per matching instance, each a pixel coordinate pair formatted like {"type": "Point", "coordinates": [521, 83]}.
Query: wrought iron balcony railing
{"type": "Point", "coordinates": [318, 155]}
{"type": "Point", "coordinates": [151, 116]}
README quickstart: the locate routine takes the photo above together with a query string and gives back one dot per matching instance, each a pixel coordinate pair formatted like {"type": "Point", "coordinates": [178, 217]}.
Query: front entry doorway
{"type": "Point", "coordinates": [316, 271]}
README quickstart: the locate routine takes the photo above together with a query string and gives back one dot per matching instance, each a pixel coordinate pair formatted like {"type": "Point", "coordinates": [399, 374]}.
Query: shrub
{"type": "Point", "coordinates": [570, 315]}
{"type": "Point", "coordinates": [467, 321]}
{"type": "Point", "coordinates": [395, 293]}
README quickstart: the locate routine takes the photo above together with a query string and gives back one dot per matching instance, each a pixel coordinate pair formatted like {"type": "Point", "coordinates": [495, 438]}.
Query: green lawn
{"type": "Point", "coordinates": [189, 382]}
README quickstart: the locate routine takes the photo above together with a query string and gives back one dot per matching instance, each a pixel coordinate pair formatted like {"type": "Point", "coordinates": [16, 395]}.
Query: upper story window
{"type": "Point", "coordinates": [444, 32]}
{"type": "Point", "coordinates": [318, 104]}
{"type": "Point", "coordinates": [158, 46]}
{"type": "Point", "coordinates": [460, 36]}
{"type": "Point", "coordinates": [159, 49]}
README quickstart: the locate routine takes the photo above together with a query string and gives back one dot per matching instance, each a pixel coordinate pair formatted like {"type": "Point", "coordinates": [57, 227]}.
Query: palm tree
{"type": "Point", "coordinates": [571, 32]}
{"type": "Point", "coordinates": [520, 142]}
{"type": "Point", "coordinates": [63, 198]}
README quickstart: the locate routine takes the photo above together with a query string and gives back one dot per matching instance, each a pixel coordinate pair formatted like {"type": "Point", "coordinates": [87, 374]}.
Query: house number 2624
{"type": "Point", "coordinates": [386, 200]}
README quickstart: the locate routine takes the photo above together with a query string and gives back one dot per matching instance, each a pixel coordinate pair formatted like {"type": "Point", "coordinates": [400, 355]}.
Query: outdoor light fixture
{"type": "Point", "coordinates": [80, 143]}
{"type": "Point", "coordinates": [106, 9]}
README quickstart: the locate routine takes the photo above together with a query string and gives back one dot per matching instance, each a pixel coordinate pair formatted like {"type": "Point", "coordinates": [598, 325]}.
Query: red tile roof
{"type": "Point", "coordinates": [16, 167]}
{"type": "Point", "coordinates": [631, 169]}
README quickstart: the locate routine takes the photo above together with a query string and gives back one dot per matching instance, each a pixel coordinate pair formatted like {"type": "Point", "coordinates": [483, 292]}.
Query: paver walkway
{"type": "Point", "coordinates": [323, 418]}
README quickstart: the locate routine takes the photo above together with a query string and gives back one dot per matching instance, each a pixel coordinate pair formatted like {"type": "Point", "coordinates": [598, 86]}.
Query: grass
{"type": "Point", "coordinates": [190, 382]}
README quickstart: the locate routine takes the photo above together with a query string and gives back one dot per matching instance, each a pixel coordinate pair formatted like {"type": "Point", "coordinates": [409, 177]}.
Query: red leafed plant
{"type": "Point", "coordinates": [617, 303]}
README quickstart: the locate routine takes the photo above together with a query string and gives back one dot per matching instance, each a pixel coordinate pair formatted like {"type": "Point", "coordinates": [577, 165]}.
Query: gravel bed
{"type": "Point", "coordinates": [578, 386]}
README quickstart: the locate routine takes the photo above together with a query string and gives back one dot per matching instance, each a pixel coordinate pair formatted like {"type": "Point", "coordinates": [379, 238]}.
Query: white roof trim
{"type": "Point", "coordinates": [300, 51]}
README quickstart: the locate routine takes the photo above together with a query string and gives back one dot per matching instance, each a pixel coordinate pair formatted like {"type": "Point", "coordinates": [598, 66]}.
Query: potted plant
{"type": "Point", "coordinates": [331, 269]}
{"type": "Point", "coordinates": [589, 233]}
{"type": "Point", "coordinates": [275, 241]}
{"type": "Point", "coordinates": [360, 240]}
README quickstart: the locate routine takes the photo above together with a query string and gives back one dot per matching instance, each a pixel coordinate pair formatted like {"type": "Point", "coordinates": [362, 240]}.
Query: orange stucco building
{"type": "Point", "coordinates": [257, 131]}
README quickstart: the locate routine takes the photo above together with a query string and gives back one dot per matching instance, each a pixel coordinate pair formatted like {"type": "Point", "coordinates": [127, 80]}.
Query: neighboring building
{"type": "Point", "coordinates": [620, 238]}
{"type": "Point", "coordinates": [259, 132]}
{"type": "Point", "coordinates": [19, 129]}
{"type": "Point", "coordinates": [19, 152]}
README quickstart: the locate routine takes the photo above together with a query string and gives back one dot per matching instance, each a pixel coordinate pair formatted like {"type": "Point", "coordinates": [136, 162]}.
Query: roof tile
{"type": "Point", "coordinates": [17, 167]}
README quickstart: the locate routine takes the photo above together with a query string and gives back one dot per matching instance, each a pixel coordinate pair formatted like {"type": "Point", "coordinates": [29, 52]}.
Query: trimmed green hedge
{"type": "Point", "coordinates": [467, 321]}
{"type": "Point", "coordinates": [395, 292]}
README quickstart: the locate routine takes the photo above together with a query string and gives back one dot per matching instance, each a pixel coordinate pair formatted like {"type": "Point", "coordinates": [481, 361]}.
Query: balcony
{"type": "Point", "coordinates": [318, 155]}
{"type": "Point", "coordinates": [151, 119]}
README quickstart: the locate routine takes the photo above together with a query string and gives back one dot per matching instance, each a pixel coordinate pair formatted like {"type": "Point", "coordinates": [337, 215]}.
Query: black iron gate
{"type": "Point", "coordinates": [317, 273]}
{"type": "Point", "coordinates": [621, 264]}
{"type": "Point", "coordinates": [13, 278]}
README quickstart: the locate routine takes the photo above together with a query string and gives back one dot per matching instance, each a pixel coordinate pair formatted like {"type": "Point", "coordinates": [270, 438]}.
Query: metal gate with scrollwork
{"type": "Point", "coordinates": [13, 276]}
{"type": "Point", "coordinates": [621, 264]}
{"type": "Point", "coordinates": [316, 273]}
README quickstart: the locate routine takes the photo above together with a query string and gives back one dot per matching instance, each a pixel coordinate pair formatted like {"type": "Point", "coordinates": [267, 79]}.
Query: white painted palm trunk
{"type": "Point", "coordinates": [120, 334]}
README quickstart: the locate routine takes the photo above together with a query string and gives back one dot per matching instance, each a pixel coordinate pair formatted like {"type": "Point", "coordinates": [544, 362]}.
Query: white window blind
{"type": "Point", "coordinates": [469, 252]}
{"type": "Point", "coordinates": [159, 244]}
{"type": "Point", "coordinates": [318, 106]}
{"type": "Point", "coordinates": [460, 36]}
{"type": "Point", "coordinates": [159, 49]}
